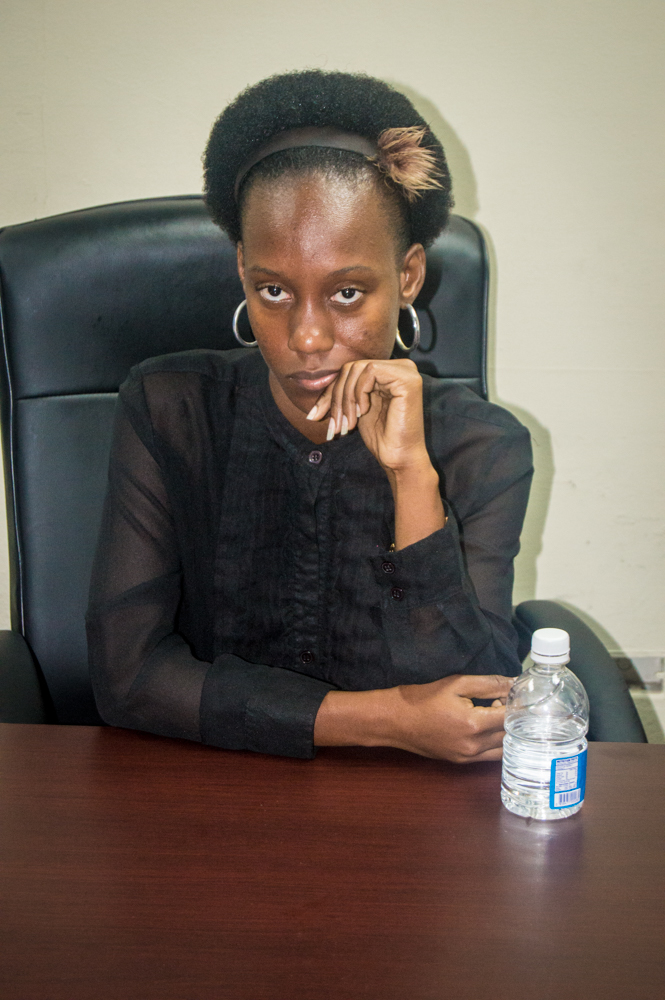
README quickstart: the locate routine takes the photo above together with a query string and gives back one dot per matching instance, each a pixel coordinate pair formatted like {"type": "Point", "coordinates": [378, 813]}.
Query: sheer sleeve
{"type": "Point", "coordinates": [144, 675]}
{"type": "Point", "coordinates": [143, 672]}
{"type": "Point", "coordinates": [447, 600]}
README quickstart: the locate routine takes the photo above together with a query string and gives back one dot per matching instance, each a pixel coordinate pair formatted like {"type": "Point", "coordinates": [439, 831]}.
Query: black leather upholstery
{"type": "Point", "coordinates": [62, 441]}
{"type": "Point", "coordinates": [24, 696]}
{"type": "Point", "coordinates": [84, 297]}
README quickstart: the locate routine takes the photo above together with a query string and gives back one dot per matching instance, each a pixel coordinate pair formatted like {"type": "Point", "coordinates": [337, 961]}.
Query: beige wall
{"type": "Point", "coordinates": [552, 116]}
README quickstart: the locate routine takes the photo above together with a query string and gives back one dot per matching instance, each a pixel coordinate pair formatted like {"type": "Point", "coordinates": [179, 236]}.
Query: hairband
{"type": "Point", "coordinates": [331, 138]}
{"type": "Point", "coordinates": [398, 154]}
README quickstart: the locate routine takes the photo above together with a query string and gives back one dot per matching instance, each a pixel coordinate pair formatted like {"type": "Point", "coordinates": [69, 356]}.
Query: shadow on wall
{"type": "Point", "coordinates": [526, 573]}
{"type": "Point", "coordinates": [466, 204]}
{"type": "Point", "coordinates": [459, 161]}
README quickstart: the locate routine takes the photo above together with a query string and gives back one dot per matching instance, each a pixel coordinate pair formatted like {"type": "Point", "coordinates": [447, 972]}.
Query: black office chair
{"type": "Point", "coordinates": [89, 294]}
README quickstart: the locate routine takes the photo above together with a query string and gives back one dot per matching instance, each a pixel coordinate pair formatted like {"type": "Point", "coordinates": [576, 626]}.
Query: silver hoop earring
{"type": "Point", "coordinates": [416, 331]}
{"type": "Point", "coordinates": [236, 332]}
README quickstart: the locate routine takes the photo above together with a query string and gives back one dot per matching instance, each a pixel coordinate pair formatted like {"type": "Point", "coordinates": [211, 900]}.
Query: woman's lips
{"type": "Point", "coordinates": [314, 381]}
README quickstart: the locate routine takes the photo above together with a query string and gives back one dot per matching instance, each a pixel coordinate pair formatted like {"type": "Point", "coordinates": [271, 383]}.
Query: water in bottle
{"type": "Point", "coordinates": [545, 747]}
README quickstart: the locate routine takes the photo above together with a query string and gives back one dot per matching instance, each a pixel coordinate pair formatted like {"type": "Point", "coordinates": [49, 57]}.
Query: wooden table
{"type": "Point", "coordinates": [133, 866]}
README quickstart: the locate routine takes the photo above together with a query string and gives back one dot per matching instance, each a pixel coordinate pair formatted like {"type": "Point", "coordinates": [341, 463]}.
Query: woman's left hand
{"type": "Point", "coordinates": [385, 400]}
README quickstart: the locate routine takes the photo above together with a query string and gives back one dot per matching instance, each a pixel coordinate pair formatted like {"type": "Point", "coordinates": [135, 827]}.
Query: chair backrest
{"type": "Point", "coordinates": [86, 295]}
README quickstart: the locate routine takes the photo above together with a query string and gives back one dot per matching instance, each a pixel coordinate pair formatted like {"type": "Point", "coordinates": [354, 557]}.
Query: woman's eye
{"type": "Point", "coordinates": [347, 295]}
{"type": "Point", "coordinates": [273, 293]}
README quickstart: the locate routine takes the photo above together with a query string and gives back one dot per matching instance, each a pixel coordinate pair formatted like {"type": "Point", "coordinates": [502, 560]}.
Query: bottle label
{"type": "Point", "coordinates": [567, 781]}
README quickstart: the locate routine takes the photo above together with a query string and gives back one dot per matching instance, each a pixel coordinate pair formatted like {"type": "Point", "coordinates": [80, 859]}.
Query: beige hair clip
{"type": "Point", "coordinates": [402, 158]}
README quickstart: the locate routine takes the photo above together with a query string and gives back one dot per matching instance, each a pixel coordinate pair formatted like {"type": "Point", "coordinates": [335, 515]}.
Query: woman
{"type": "Point", "coordinates": [310, 544]}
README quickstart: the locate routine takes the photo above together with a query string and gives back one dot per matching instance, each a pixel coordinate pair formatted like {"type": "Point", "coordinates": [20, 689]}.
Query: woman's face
{"type": "Point", "coordinates": [318, 262]}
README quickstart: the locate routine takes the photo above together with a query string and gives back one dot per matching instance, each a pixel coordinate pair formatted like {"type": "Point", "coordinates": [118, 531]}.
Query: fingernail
{"type": "Point", "coordinates": [331, 429]}
{"type": "Point", "coordinates": [312, 412]}
{"type": "Point", "coordinates": [358, 413]}
{"type": "Point", "coordinates": [345, 425]}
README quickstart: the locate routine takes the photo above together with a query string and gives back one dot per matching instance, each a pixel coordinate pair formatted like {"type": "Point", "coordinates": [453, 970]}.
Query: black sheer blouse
{"type": "Point", "coordinates": [243, 572]}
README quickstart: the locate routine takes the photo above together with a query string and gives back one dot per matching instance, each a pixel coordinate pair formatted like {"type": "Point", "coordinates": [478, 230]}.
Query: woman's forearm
{"type": "Point", "coordinates": [437, 719]}
{"type": "Point", "coordinates": [418, 506]}
{"type": "Point", "coordinates": [356, 718]}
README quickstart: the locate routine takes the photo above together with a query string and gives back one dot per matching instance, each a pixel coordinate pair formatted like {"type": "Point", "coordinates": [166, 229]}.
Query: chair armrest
{"type": "Point", "coordinates": [23, 693]}
{"type": "Point", "coordinates": [613, 717]}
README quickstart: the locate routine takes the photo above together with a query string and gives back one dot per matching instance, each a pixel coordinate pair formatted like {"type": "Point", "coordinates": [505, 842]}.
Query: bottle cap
{"type": "Point", "coordinates": [550, 645]}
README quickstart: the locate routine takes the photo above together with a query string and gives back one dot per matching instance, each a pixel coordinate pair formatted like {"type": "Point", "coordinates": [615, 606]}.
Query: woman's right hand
{"type": "Point", "coordinates": [437, 719]}
{"type": "Point", "coordinates": [440, 720]}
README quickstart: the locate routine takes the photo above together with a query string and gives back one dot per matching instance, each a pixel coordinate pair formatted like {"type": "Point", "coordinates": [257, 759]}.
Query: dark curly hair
{"type": "Point", "coordinates": [350, 101]}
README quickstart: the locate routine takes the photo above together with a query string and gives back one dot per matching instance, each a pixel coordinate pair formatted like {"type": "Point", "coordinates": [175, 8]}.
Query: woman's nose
{"type": "Point", "coordinates": [311, 330]}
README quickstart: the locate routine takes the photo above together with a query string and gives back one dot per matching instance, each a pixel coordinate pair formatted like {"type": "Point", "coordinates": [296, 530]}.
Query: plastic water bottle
{"type": "Point", "coordinates": [545, 747]}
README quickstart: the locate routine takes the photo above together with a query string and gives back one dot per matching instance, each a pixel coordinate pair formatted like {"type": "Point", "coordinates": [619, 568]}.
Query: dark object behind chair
{"type": "Point", "coordinates": [84, 297]}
